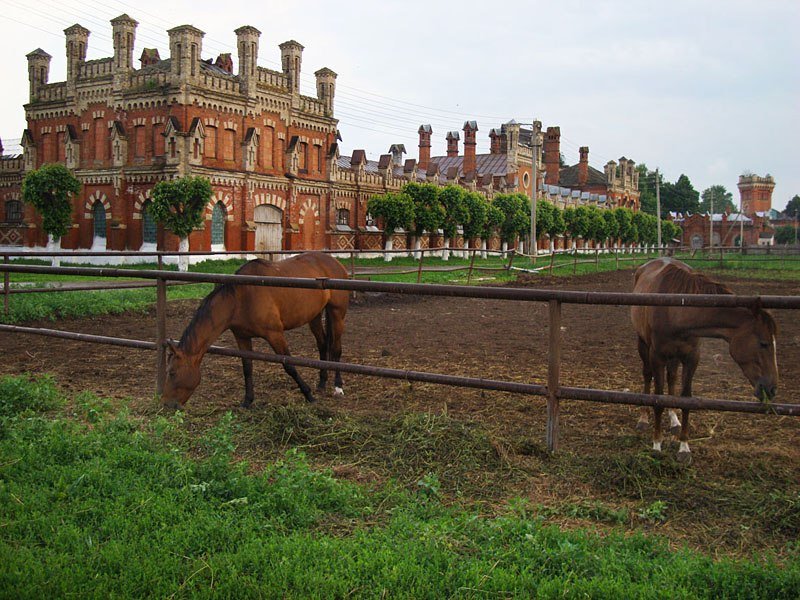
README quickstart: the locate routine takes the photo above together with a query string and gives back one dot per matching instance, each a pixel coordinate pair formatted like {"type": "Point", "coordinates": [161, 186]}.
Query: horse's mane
{"type": "Point", "coordinates": [203, 312]}
{"type": "Point", "coordinates": [677, 280]}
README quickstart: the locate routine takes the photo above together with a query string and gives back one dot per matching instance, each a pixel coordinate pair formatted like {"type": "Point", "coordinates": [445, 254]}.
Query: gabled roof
{"type": "Point", "coordinates": [568, 176]}
{"type": "Point", "coordinates": [494, 164]}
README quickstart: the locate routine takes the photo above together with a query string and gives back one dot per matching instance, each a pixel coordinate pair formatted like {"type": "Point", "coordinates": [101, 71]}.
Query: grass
{"type": "Point", "coordinates": [95, 502]}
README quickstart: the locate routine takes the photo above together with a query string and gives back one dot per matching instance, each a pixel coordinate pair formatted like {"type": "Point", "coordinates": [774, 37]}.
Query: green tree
{"type": "Point", "coordinates": [723, 200]}
{"type": "Point", "coordinates": [793, 208]}
{"type": "Point", "coordinates": [456, 213]}
{"type": "Point", "coordinates": [494, 219]}
{"type": "Point", "coordinates": [597, 225]}
{"type": "Point", "coordinates": [477, 208]}
{"type": "Point", "coordinates": [679, 196]}
{"type": "Point", "coordinates": [516, 215]}
{"type": "Point", "coordinates": [549, 220]}
{"type": "Point", "coordinates": [647, 189]}
{"type": "Point", "coordinates": [785, 234]}
{"type": "Point", "coordinates": [178, 204]}
{"type": "Point", "coordinates": [429, 213]}
{"type": "Point", "coordinates": [612, 226]}
{"type": "Point", "coordinates": [49, 190]}
{"type": "Point", "coordinates": [626, 230]}
{"type": "Point", "coordinates": [396, 211]}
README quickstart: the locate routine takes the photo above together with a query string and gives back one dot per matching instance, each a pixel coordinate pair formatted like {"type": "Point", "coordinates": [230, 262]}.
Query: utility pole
{"type": "Point", "coordinates": [711, 220]}
{"type": "Point", "coordinates": [658, 211]}
{"type": "Point", "coordinates": [536, 146]}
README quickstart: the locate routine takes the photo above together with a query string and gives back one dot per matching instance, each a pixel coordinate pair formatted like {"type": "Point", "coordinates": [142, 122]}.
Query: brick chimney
{"type": "Point", "coordinates": [494, 137]}
{"type": "Point", "coordinates": [552, 155]}
{"type": "Point", "coordinates": [470, 129]}
{"type": "Point", "coordinates": [225, 61]}
{"type": "Point", "coordinates": [452, 138]}
{"type": "Point", "coordinates": [425, 132]}
{"type": "Point", "coordinates": [583, 166]}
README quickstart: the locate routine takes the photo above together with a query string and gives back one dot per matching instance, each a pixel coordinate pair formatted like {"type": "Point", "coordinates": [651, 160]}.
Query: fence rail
{"type": "Point", "coordinates": [553, 391]}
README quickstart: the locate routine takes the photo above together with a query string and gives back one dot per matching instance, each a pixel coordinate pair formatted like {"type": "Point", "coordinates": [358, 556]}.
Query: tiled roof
{"type": "Point", "coordinates": [569, 176]}
{"type": "Point", "coordinates": [494, 164]}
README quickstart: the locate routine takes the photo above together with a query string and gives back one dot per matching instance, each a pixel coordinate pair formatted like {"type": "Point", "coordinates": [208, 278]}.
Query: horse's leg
{"type": "Point", "coordinates": [689, 367]}
{"type": "Point", "coordinates": [658, 379]}
{"type": "Point", "coordinates": [246, 344]}
{"type": "Point", "coordinates": [672, 376]}
{"type": "Point", "coordinates": [335, 318]}
{"type": "Point", "coordinates": [647, 376]}
{"type": "Point", "coordinates": [277, 340]}
{"type": "Point", "coordinates": [319, 334]}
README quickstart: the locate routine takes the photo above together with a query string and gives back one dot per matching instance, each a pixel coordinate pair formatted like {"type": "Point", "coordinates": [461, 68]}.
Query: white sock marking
{"type": "Point", "coordinates": [657, 446]}
{"type": "Point", "coordinates": [337, 391]}
{"type": "Point", "coordinates": [673, 419]}
{"type": "Point", "coordinates": [684, 447]}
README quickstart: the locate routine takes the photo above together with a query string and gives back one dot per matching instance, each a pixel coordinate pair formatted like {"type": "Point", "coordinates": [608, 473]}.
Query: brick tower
{"type": "Point", "coordinates": [756, 193]}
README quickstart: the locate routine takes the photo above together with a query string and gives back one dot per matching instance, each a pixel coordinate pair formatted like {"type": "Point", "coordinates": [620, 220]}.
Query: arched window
{"type": "Point", "coordinates": [149, 229]}
{"type": "Point", "coordinates": [13, 211]}
{"type": "Point", "coordinates": [218, 216]}
{"type": "Point", "coordinates": [343, 216]}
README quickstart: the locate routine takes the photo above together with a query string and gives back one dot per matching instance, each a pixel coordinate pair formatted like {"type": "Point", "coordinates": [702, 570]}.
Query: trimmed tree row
{"type": "Point", "coordinates": [426, 207]}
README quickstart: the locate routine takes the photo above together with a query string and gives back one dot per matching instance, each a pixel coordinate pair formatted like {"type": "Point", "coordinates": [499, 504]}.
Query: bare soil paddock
{"type": "Point", "coordinates": [742, 492]}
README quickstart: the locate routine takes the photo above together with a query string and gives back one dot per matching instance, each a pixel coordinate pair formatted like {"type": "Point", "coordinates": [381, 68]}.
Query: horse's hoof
{"type": "Point", "coordinates": [642, 426]}
{"type": "Point", "coordinates": [246, 403]}
{"type": "Point", "coordinates": [337, 391]}
{"type": "Point", "coordinates": [685, 458]}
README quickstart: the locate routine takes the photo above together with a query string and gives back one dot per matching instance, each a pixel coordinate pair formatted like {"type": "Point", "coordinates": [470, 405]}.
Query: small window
{"type": "Point", "coordinates": [343, 216]}
{"type": "Point", "coordinates": [369, 221]}
{"type": "Point", "coordinates": [13, 211]}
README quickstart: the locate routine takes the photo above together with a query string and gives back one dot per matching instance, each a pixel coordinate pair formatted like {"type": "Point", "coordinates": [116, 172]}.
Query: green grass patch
{"type": "Point", "coordinates": [119, 507]}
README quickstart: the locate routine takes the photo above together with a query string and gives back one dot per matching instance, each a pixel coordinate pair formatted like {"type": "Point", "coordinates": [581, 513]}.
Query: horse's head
{"type": "Point", "coordinates": [183, 376]}
{"type": "Point", "coordinates": [753, 348]}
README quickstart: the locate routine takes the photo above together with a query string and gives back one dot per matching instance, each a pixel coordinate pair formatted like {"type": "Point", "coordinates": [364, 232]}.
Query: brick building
{"type": "Point", "coordinates": [270, 152]}
{"type": "Point", "coordinates": [752, 226]}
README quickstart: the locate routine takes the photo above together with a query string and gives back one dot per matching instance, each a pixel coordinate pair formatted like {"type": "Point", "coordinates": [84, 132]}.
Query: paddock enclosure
{"type": "Point", "coordinates": [739, 459]}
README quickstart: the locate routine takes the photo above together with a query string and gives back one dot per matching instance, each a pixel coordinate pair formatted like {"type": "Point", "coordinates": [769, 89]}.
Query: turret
{"type": "Point", "coordinates": [425, 132]}
{"type": "Point", "coordinates": [452, 138]}
{"type": "Point", "coordinates": [77, 44]}
{"type": "Point", "coordinates": [291, 59]}
{"type": "Point", "coordinates": [247, 45]}
{"type": "Point", "coordinates": [124, 33]}
{"type": "Point", "coordinates": [326, 88]}
{"type": "Point", "coordinates": [38, 70]}
{"type": "Point", "coordinates": [185, 47]}
{"type": "Point", "coordinates": [470, 130]}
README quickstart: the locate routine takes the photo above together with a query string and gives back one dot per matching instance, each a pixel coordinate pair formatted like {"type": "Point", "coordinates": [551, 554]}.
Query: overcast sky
{"type": "Point", "coordinates": [710, 89]}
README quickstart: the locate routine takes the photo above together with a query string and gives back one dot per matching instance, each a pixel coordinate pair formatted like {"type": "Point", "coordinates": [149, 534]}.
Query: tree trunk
{"type": "Point", "coordinates": [387, 256]}
{"type": "Point", "coordinates": [446, 249]}
{"type": "Point", "coordinates": [417, 245]}
{"type": "Point", "coordinates": [504, 248]}
{"type": "Point", "coordinates": [484, 253]}
{"type": "Point", "coordinates": [183, 260]}
{"type": "Point", "coordinates": [54, 245]}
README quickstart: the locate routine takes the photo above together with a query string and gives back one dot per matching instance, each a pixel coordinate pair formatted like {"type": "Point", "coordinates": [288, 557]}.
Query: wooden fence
{"type": "Point", "coordinates": [553, 391]}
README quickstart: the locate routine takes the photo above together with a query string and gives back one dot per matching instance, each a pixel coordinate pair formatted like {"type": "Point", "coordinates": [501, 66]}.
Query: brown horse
{"type": "Point", "coordinates": [670, 336]}
{"type": "Point", "coordinates": [256, 311]}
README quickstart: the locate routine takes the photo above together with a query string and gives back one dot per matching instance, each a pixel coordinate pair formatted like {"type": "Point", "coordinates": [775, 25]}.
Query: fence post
{"type": "Point", "coordinates": [597, 259]}
{"type": "Point", "coordinates": [6, 285]}
{"type": "Point", "coordinates": [352, 265]}
{"type": "Point", "coordinates": [616, 259]}
{"type": "Point", "coordinates": [575, 261]}
{"type": "Point", "coordinates": [419, 269]}
{"type": "Point", "coordinates": [552, 260]}
{"type": "Point", "coordinates": [161, 329]}
{"type": "Point", "coordinates": [553, 375]}
{"type": "Point", "coordinates": [511, 256]}
{"type": "Point", "coordinates": [720, 258]}
{"type": "Point", "coordinates": [471, 264]}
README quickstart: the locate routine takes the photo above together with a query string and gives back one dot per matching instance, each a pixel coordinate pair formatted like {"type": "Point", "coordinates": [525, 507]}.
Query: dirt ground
{"type": "Point", "coordinates": [740, 461]}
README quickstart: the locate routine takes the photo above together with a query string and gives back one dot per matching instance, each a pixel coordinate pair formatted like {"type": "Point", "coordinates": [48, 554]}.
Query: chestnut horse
{"type": "Point", "coordinates": [257, 311]}
{"type": "Point", "coordinates": [670, 335]}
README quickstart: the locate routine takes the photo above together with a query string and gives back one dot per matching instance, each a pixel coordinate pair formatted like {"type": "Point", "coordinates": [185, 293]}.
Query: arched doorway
{"type": "Point", "coordinates": [218, 218]}
{"type": "Point", "coordinates": [99, 226]}
{"type": "Point", "coordinates": [269, 232]}
{"type": "Point", "coordinates": [697, 241]}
